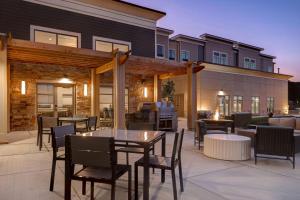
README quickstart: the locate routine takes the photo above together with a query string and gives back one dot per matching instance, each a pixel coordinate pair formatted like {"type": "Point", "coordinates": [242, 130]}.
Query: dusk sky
{"type": "Point", "coordinates": [271, 24]}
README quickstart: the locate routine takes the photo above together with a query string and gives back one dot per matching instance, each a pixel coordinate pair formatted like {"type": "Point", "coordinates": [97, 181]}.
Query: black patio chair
{"type": "Point", "coordinates": [91, 125]}
{"type": "Point", "coordinates": [166, 163]}
{"type": "Point", "coordinates": [58, 143]}
{"type": "Point", "coordinates": [201, 130]}
{"type": "Point", "coordinates": [274, 141]}
{"type": "Point", "coordinates": [137, 150]}
{"type": "Point", "coordinates": [98, 156]}
{"type": "Point", "coordinates": [44, 128]}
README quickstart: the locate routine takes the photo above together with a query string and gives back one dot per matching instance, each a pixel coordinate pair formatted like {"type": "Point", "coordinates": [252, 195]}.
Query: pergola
{"type": "Point", "coordinates": [15, 50]}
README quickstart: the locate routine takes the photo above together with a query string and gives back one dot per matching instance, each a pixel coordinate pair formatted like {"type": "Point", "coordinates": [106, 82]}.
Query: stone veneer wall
{"type": "Point", "coordinates": [23, 107]}
{"type": "Point", "coordinates": [135, 88]}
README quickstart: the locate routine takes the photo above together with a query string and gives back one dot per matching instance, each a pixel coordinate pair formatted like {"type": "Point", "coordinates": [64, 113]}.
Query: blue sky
{"type": "Point", "coordinates": [271, 24]}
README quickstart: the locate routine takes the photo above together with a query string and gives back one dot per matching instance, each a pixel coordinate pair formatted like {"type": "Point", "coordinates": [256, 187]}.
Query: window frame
{"type": "Point", "coordinates": [239, 100]}
{"type": "Point", "coordinates": [57, 32]}
{"type": "Point", "coordinates": [163, 48]}
{"type": "Point", "coordinates": [109, 40]}
{"type": "Point", "coordinates": [220, 54]}
{"type": "Point", "coordinates": [253, 59]}
{"type": "Point", "coordinates": [256, 109]}
{"type": "Point", "coordinates": [268, 104]}
{"type": "Point", "coordinates": [186, 51]}
{"type": "Point", "coordinates": [174, 53]}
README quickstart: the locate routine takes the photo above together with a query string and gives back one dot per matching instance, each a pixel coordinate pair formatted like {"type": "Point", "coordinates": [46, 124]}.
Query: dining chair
{"type": "Point", "coordinates": [58, 143]}
{"type": "Point", "coordinates": [166, 163]}
{"type": "Point", "coordinates": [132, 148]}
{"type": "Point", "coordinates": [44, 128]}
{"type": "Point", "coordinates": [99, 158]}
{"type": "Point", "coordinates": [91, 125]}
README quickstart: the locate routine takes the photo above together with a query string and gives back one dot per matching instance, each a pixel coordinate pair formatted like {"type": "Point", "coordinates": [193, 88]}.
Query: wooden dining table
{"type": "Point", "coordinates": [133, 138]}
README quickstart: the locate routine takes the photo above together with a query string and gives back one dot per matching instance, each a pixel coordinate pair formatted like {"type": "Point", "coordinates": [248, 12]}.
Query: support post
{"type": "Point", "coordinates": [157, 88]}
{"type": "Point", "coordinates": [191, 97]}
{"type": "Point", "coordinates": [4, 87]}
{"type": "Point", "coordinates": [119, 92]}
{"type": "Point", "coordinates": [95, 93]}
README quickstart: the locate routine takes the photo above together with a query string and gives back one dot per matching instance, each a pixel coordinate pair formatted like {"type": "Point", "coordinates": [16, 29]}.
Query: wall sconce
{"type": "Point", "coordinates": [85, 89]}
{"type": "Point", "coordinates": [145, 92]}
{"type": "Point", "coordinates": [23, 87]}
{"type": "Point", "coordinates": [221, 93]}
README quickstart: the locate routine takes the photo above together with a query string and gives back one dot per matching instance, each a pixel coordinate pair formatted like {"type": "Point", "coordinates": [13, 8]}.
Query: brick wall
{"type": "Point", "coordinates": [23, 107]}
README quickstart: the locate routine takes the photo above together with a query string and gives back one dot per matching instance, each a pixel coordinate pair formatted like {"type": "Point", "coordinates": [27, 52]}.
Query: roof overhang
{"type": "Point", "coordinates": [243, 71]}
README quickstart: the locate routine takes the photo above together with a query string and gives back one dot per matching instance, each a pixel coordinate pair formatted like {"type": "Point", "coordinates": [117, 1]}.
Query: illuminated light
{"type": "Point", "coordinates": [221, 93]}
{"type": "Point", "coordinates": [65, 80]}
{"type": "Point", "coordinates": [217, 115]}
{"type": "Point", "coordinates": [85, 89]}
{"type": "Point", "coordinates": [23, 87]}
{"type": "Point", "coordinates": [145, 92]}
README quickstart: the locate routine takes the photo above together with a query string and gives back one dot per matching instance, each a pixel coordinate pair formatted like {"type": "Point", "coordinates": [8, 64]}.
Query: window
{"type": "Point", "coordinates": [270, 104]}
{"type": "Point", "coordinates": [270, 69]}
{"type": "Point", "coordinates": [108, 45]}
{"type": "Point", "coordinates": [172, 54]}
{"type": "Point", "coordinates": [54, 36]}
{"type": "Point", "coordinates": [106, 98]}
{"type": "Point", "coordinates": [237, 104]}
{"type": "Point", "coordinates": [223, 105]}
{"type": "Point", "coordinates": [249, 63]}
{"type": "Point", "coordinates": [220, 58]}
{"type": "Point", "coordinates": [255, 105]}
{"type": "Point", "coordinates": [184, 55]}
{"type": "Point", "coordinates": [160, 51]}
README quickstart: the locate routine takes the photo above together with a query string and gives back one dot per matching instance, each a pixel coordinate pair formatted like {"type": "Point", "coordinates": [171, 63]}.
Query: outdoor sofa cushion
{"type": "Point", "coordinates": [289, 122]}
{"type": "Point", "coordinates": [298, 124]}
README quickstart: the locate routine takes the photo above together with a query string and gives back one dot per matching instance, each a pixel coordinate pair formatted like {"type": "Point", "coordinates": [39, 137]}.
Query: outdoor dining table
{"type": "Point", "coordinates": [73, 120]}
{"type": "Point", "coordinates": [132, 138]}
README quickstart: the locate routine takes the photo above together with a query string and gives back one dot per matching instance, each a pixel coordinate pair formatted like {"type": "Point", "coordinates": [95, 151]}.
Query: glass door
{"type": "Point", "coordinates": [55, 100]}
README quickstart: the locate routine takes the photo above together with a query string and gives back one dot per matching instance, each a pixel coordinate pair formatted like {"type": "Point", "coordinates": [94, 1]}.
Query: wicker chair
{"type": "Point", "coordinates": [275, 141]}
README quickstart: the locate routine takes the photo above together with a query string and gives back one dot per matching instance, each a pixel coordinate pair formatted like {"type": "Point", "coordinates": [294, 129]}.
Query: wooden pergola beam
{"type": "Point", "coordinates": [104, 68]}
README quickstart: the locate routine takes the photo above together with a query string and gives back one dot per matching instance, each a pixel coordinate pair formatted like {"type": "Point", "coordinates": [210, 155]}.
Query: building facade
{"type": "Point", "coordinates": [29, 89]}
{"type": "Point", "coordinates": [238, 77]}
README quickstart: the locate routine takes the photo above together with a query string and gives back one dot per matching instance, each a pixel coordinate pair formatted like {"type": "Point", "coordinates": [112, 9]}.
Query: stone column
{"type": "Point", "coordinates": [4, 87]}
{"type": "Point", "coordinates": [119, 93]}
{"type": "Point", "coordinates": [191, 96]}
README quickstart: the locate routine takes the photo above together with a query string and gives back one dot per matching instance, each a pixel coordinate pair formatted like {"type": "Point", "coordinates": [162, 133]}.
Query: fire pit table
{"type": "Point", "coordinates": [227, 147]}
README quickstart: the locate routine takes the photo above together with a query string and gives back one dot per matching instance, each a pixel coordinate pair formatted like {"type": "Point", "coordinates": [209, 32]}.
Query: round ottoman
{"type": "Point", "coordinates": [227, 147]}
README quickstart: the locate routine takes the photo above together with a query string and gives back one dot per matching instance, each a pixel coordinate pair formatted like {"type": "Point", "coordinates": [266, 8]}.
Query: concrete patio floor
{"type": "Point", "coordinates": [25, 173]}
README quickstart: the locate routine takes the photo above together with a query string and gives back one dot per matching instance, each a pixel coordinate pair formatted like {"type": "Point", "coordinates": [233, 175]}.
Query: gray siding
{"type": "Point", "coordinates": [163, 40]}
{"type": "Point", "coordinates": [16, 16]}
{"type": "Point", "coordinates": [192, 48]}
{"type": "Point", "coordinates": [246, 52]}
{"type": "Point", "coordinates": [174, 45]}
{"type": "Point", "coordinates": [218, 46]}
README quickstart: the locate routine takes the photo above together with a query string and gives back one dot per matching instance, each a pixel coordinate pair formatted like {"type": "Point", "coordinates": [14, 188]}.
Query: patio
{"type": "Point", "coordinates": [25, 174]}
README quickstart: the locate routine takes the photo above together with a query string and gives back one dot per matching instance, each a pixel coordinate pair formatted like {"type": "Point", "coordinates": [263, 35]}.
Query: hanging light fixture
{"type": "Point", "coordinates": [23, 87]}
{"type": "Point", "coordinates": [145, 89]}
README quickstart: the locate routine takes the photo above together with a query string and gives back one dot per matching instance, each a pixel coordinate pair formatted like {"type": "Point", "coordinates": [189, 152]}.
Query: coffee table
{"type": "Point", "coordinates": [227, 147]}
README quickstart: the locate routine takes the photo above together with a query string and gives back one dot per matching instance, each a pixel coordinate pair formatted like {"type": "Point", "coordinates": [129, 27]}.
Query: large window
{"type": "Point", "coordinates": [106, 98]}
{"type": "Point", "coordinates": [249, 63]}
{"type": "Point", "coordinates": [172, 54]}
{"type": "Point", "coordinates": [270, 69]}
{"type": "Point", "coordinates": [220, 58]}
{"type": "Point", "coordinates": [237, 104]}
{"type": "Point", "coordinates": [184, 55]}
{"type": "Point", "coordinates": [54, 36]}
{"type": "Point", "coordinates": [160, 51]}
{"type": "Point", "coordinates": [223, 105]}
{"type": "Point", "coordinates": [108, 45]}
{"type": "Point", "coordinates": [270, 104]}
{"type": "Point", "coordinates": [255, 105]}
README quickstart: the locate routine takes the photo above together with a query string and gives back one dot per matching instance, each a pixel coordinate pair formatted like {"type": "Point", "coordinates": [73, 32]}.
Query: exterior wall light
{"type": "Point", "coordinates": [221, 93]}
{"type": "Point", "coordinates": [23, 87]}
{"type": "Point", "coordinates": [145, 92]}
{"type": "Point", "coordinates": [65, 80]}
{"type": "Point", "coordinates": [85, 89]}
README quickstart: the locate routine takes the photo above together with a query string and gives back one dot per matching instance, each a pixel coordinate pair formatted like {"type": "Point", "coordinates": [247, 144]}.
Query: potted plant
{"type": "Point", "coordinates": [168, 90]}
